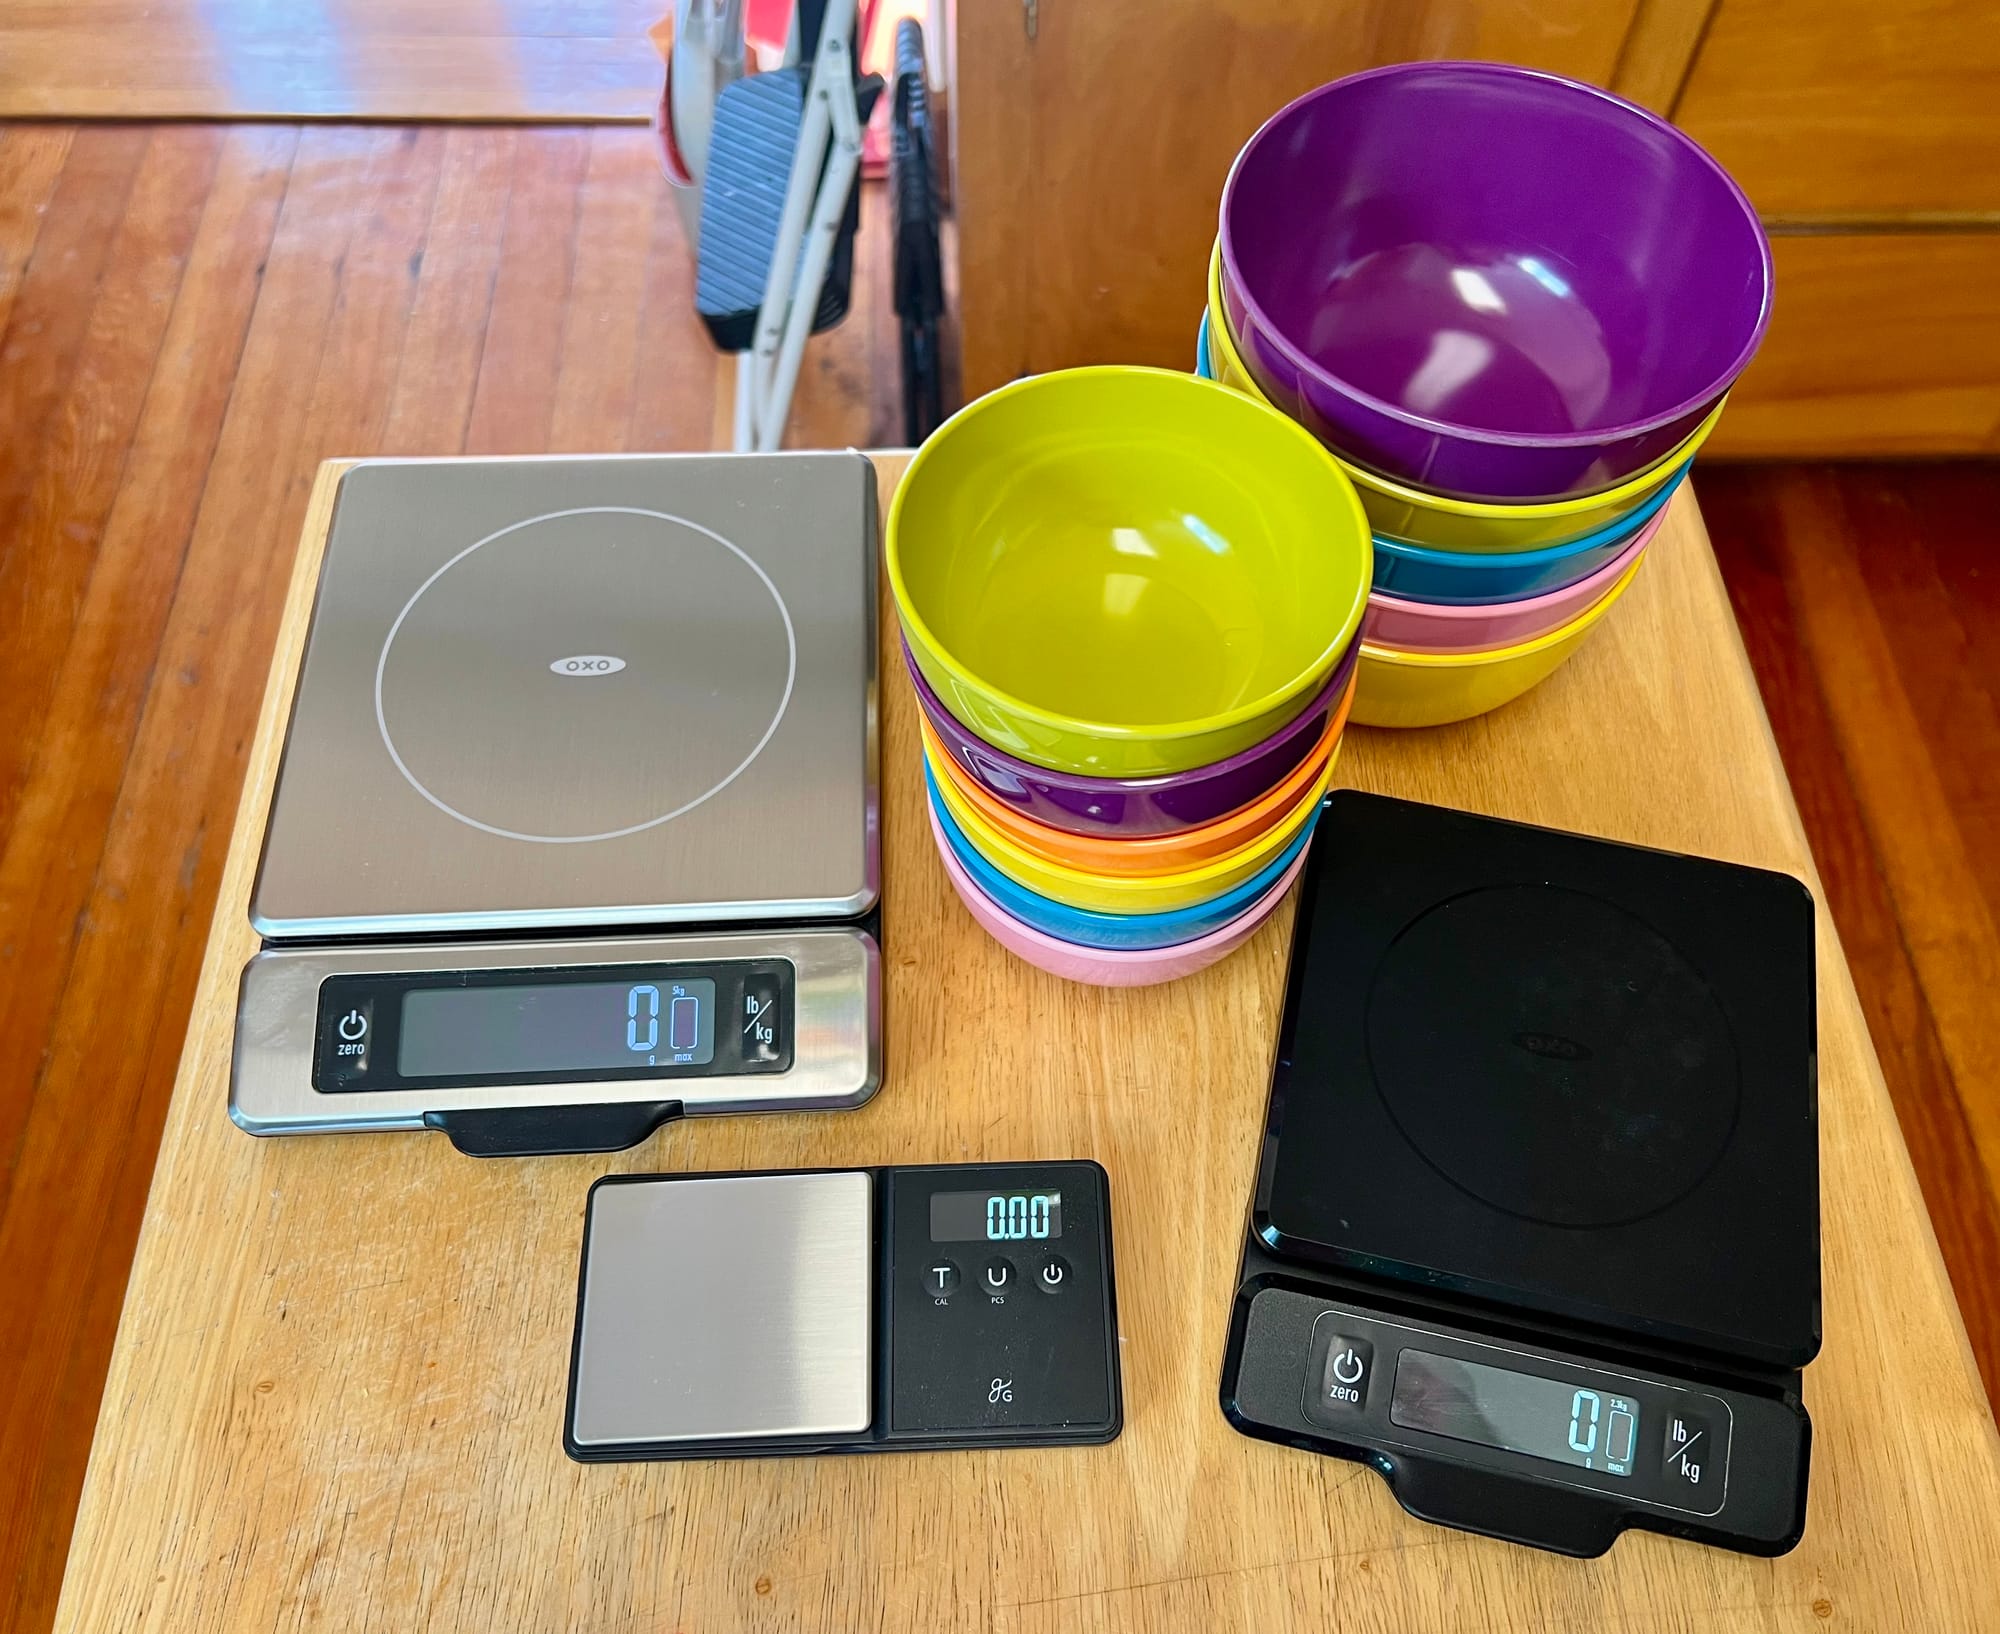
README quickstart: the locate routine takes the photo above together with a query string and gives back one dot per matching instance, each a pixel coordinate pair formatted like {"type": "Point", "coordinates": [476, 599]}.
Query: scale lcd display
{"type": "Point", "coordinates": [995, 1216]}
{"type": "Point", "coordinates": [1517, 1412]}
{"type": "Point", "coordinates": [556, 1027]}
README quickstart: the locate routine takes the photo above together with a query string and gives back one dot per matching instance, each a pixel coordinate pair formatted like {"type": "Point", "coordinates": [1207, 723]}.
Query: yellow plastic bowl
{"type": "Point", "coordinates": [1398, 511]}
{"type": "Point", "coordinates": [1126, 893]}
{"type": "Point", "coordinates": [1125, 572]}
{"type": "Point", "coordinates": [1395, 688]}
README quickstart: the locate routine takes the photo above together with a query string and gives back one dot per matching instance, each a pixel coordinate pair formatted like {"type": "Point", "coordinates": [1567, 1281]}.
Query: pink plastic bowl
{"type": "Point", "coordinates": [1109, 967]}
{"type": "Point", "coordinates": [1429, 626]}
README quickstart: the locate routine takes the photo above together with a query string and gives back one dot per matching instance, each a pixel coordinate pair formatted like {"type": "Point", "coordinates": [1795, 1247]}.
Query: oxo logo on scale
{"type": "Point", "coordinates": [588, 664]}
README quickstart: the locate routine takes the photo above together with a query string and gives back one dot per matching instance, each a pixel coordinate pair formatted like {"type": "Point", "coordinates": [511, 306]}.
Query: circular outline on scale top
{"type": "Point", "coordinates": [784, 700]}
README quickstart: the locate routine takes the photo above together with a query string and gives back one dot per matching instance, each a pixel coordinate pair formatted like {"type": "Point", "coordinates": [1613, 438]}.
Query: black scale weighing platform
{"type": "Point", "coordinates": [1536, 1224]}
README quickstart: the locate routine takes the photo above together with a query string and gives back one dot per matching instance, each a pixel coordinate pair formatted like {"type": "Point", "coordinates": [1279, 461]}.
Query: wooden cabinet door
{"type": "Point", "coordinates": [1093, 137]}
{"type": "Point", "coordinates": [1880, 343]}
{"type": "Point", "coordinates": [1852, 111]}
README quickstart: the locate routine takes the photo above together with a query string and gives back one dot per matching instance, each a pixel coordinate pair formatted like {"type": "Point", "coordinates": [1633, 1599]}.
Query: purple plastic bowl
{"type": "Point", "coordinates": [1491, 282]}
{"type": "Point", "coordinates": [1133, 807]}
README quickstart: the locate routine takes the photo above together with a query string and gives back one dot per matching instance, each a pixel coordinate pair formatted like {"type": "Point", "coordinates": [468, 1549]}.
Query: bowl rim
{"type": "Point", "coordinates": [1167, 920]}
{"type": "Point", "coordinates": [1272, 845]}
{"type": "Point", "coordinates": [1306, 683]}
{"type": "Point", "coordinates": [1505, 439]}
{"type": "Point", "coordinates": [1337, 682]}
{"type": "Point", "coordinates": [1584, 590]}
{"type": "Point", "coordinates": [1525, 649]}
{"type": "Point", "coordinates": [1295, 786]}
{"type": "Point", "coordinates": [1543, 555]}
{"type": "Point", "coordinates": [1263, 903]}
{"type": "Point", "coordinates": [1634, 487]}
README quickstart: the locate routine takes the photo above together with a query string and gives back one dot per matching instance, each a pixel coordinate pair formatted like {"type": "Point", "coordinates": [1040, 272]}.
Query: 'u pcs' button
{"type": "Point", "coordinates": [1337, 1372]}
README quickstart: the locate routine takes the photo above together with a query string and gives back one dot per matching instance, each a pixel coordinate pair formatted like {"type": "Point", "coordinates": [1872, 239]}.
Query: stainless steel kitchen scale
{"type": "Point", "coordinates": [576, 829]}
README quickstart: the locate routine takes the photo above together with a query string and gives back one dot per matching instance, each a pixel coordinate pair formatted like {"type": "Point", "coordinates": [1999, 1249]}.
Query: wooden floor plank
{"type": "Point", "coordinates": [515, 399]}
{"type": "Point", "coordinates": [31, 160]}
{"type": "Point", "coordinates": [1927, 861]}
{"type": "Point", "coordinates": [599, 362]}
{"type": "Point", "coordinates": [72, 1215]}
{"type": "Point", "coordinates": [1930, 634]}
{"type": "Point", "coordinates": [90, 685]}
{"type": "Point", "coordinates": [439, 369]}
{"type": "Point", "coordinates": [338, 59]}
{"type": "Point", "coordinates": [64, 493]}
{"type": "Point", "coordinates": [58, 285]}
{"type": "Point", "coordinates": [1745, 509]}
{"type": "Point", "coordinates": [1958, 520]}
{"type": "Point", "coordinates": [673, 400]}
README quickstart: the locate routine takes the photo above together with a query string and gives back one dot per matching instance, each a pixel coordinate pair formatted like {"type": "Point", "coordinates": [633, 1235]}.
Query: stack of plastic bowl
{"type": "Point", "coordinates": [1510, 305]}
{"type": "Point", "coordinates": [1130, 603]}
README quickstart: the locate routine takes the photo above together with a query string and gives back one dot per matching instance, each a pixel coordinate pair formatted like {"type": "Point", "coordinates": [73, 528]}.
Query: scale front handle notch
{"type": "Point", "coordinates": [552, 1131]}
{"type": "Point", "coordinates": [1470, 1499]}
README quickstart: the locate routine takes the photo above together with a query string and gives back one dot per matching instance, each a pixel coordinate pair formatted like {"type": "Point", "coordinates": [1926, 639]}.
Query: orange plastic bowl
{"type": "Point", "coordinates": [1157, 853]}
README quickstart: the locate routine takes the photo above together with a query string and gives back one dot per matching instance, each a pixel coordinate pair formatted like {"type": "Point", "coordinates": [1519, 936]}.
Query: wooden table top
{"type": "Point", "coordinates": [337, 1395]}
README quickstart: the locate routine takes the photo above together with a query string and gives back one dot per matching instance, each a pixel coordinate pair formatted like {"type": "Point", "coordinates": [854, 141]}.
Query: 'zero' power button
{"type": "Point", "coordinates": [346, 1040]}
{"type": "Point", "coordinates": [1338, 1366]}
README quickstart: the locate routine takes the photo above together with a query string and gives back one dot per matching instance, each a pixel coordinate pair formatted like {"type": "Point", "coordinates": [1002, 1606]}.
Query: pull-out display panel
{"type": "Point", "coordinates": [1537, 1443]}
{"type": "Point", "coordinates": [769, 1020]}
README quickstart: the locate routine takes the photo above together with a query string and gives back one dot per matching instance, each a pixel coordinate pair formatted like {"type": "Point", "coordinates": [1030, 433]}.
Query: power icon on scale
{"type": "Point", "coordinates": [349, 1045]}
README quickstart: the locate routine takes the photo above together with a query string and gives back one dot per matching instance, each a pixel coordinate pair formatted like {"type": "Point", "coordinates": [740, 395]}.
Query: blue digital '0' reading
{"type": "Point", "coordinates": [1009, 1219]}
{"type": "Point", "coordinates": [648, 999]}
{"type": "Point", "coordinates": [1583, 1435]}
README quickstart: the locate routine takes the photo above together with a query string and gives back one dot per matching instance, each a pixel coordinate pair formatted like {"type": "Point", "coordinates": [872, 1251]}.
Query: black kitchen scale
{"type": "Point", "coordinates": [1536, 1224]}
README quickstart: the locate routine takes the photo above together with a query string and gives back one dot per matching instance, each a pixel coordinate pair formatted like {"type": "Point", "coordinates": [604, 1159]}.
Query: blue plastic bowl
{"type": "Point", "coordinates": [1486, 579]}
{"type": "Point", "coordinates": [1110, 930]}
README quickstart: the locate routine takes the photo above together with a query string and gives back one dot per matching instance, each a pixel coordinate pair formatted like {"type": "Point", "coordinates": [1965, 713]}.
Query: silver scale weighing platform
{"type": "Point", "coordinates": [577, 827]}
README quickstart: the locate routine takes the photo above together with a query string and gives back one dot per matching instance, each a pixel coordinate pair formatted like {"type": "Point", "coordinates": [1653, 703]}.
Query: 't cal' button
{"type": "Point", "coordinates": [1338, 1368]}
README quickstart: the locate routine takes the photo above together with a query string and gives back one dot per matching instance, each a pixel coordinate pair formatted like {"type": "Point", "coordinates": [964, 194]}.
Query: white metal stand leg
{"type": "Point", "coordinates": [815, 199]}
{"type": "Point", "coordinates": [746, 409]}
